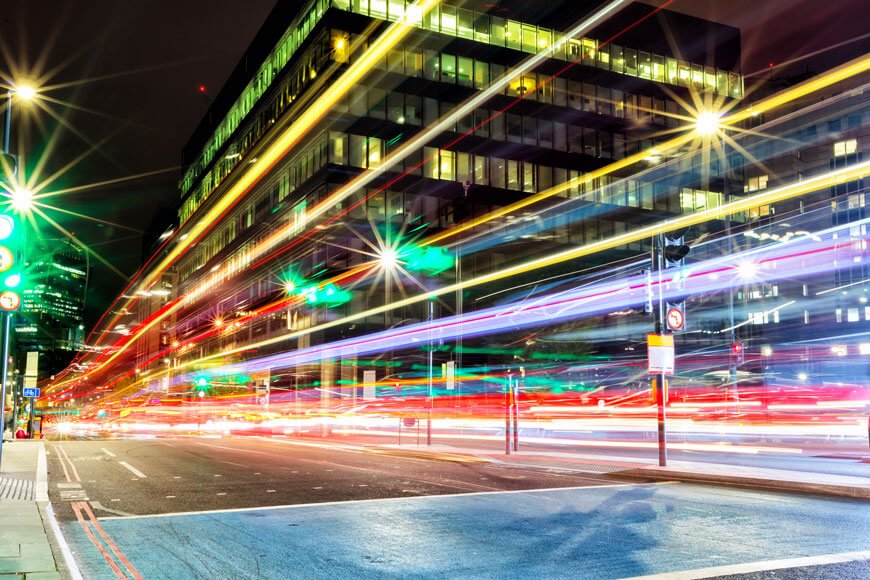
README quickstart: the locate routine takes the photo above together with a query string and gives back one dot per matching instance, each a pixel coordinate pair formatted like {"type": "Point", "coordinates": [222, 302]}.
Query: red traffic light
{"type": "Point", "coordinates": [736, 347]}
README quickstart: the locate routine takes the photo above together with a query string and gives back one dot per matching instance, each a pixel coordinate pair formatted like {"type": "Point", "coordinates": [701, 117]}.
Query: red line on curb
{"type": "Point", "coordinates": [115, 568]}
{"type": "Point", "coordinates": [114, 547]}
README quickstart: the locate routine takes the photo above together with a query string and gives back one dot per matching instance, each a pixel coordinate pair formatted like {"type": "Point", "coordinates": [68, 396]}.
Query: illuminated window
{"type": "Point", "coordinates": [755, 184]}
{"type": "Point", "coordinates": [447, 165]}
{"type": "Point", "coordinates": [845, 147]}
{"type": "Point", "coordinates": [760, 211]}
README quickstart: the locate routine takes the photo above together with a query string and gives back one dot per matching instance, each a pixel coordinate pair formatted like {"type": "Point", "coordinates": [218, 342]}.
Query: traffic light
{"type": "Point", "coordinates": [737, 352]}
{"type": "Point", "coordinates": [328, 296]}
{"type": "Point", "coordinates": [674, 247]}
{"type": "Point", "coordinates": [11, 262]}
{"type": "Point", "coordinates": [8, 169]}
{"type": "Point", "coordinates": [428, 260]}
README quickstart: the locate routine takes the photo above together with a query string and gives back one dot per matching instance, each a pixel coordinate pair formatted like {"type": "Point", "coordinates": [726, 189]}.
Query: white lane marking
{"type": "Point", "coordinates": [98, 506]}
{"type": "Point", "coordinates": [132, 469]}
{"type": "Point", "coordinates": [41, 489]}
{"type": "Point", "coordinates": [107, 452]}
{"type": "Point", "coordinates": [270, 491]}
{"type": "Point", "coordinates": [222, 493]}
{"type": "Point", "coordinates": [71, 565]}
{"type": "Point", "coordinates": [760, 566]}
{"type": "Point", "coordinates": [69, 461]}
{"type": "Point", "coordinates": [236, 449]}
{"type": "Point", "coordinates": [317, 487]}
{"type": "Point", "coordinates": [176, 477]}
{"type": "Point", "coordinates": [116, 499]}
{"type": "Point", "coordinates": [387, 499]}
{"type": "Point", "coordinates": [170, 497]}
{"type": "Point", "coordinates": [217, 475]}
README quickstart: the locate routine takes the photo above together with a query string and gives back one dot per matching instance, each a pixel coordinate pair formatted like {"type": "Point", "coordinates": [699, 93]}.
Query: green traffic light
{"type": "Point", "coordinates": [429, 261]}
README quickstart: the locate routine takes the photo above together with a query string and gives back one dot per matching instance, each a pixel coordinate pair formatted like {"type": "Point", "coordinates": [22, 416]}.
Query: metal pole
{"type": "Point", "coordinates": [659, 380]}
{"type": "Point", "coordinates": [16, 392]}
{"type": "Point", "coordinates": [4, 369]}
{"type": "Point", "coordinates": [516, 397]}
{"type": "Point", "coordinates": [7, 132]}
{"type": "Point", "coordinates": [30, 417]}
{"type": "Point", "coordinates": [507, 417]}
{"type": "Point", "coordinates": [429, 406]}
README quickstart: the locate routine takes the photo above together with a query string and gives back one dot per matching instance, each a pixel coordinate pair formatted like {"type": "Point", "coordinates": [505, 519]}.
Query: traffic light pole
{"type": "Point", "coordinates": [7, 130]}
{"type": "Point", "coordinates": [659, 328]}
{"type": "Point", "coordinates": [4, 368]}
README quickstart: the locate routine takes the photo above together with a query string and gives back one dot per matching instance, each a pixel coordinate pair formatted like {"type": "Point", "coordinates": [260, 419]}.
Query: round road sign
{"type": "Point", "coordinates": [675, 318]}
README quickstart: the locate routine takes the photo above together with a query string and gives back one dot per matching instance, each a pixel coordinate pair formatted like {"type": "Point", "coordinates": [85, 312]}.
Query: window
{"type": "Point", "coordinates": [480, 170]}
{"type": "Point", "coordinates": [755, 184]}
{"type": "Point", "coordinates": [447, 165]}
{"type": "Point", "coordinates": [845, 147]}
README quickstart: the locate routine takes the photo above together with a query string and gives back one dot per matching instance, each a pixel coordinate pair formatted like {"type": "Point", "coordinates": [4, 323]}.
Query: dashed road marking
{"type": "Point", "coordinates": [107, 452]}
{"type": "Point", "coordinates": [132, 469]}
{"type": "Point", "coordinates": [222, 493]}
{"type": "Point", "coordinates": [317, 487]}
{"type": "Point", "coordinates": [270, 491]}
{"type": "Point", "coordinates": [170, 497]}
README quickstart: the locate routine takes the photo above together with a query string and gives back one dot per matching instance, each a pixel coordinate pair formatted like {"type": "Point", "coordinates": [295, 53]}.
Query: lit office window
{"type": "Point", "coordinates": [845, 147]}
{"type": "Point", "coordinates": [755, 184]}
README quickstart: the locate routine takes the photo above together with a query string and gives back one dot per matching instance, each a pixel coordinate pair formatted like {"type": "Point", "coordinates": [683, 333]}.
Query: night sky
{"type": "Point", "coordinates": [146, 59]}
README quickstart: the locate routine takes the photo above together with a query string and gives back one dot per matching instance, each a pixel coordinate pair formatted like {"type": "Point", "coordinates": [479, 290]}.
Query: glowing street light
{"type": "Point", "coordinates": [389, 258]}
{"type": "Point", "coordinates": [747, 270]}
{"type": "Point", "coordinates": [707, 123]}
{"type": "Point", "coordinates": [22, 199]}
{"type": "Point", "coordinates": [24, 92]}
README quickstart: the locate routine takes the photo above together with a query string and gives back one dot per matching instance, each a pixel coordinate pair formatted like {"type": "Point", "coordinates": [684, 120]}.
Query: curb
{"type": "Point", "coordinates": [430, 455]}
{"type": "Point", "coordinates": [852, 492]}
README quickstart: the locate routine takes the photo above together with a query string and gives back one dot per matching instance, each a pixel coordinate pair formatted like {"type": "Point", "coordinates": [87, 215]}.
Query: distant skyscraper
{"type": "Point", "coordinates": [51, 317]}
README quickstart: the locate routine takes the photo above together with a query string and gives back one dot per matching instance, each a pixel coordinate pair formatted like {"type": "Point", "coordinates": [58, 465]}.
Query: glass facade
{"type": "Point", "coordinates": [206, 173]}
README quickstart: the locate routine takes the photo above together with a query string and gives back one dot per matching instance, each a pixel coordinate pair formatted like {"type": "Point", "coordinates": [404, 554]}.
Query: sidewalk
{"type": "Point", "coordinates": [634, 468]}
{"type": "Point", "coordinates": [25, 547]}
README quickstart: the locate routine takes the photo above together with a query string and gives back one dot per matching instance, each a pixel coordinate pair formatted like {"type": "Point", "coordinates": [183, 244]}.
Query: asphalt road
{"type": "Point", "coordinates": [278, 508]}
{"type": "Point", "coordinates": [155, 476]}
{"type": "Point", "coordinates": [832, 459]}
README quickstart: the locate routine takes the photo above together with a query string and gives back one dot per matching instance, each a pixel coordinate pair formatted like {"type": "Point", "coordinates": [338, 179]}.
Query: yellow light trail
{"type": "Point", "coordinates": [843, 72]}
{"type": "Point", "coordinates": [291, 136]}
{"type": "Point", "coordinates": [354, 185]}
{"type": "Point", "coordinates": [284, 143]}
{"type": "Point", "coordinates": [785, 192]}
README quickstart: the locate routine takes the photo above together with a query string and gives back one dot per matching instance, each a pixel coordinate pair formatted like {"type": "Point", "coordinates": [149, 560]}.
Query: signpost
{"type": "Point", "coordinates": [660, 349]}
{"type": "Point", "coordinates": [369, 389]}
{"type": "Point", "coordinates": [675, 317]}
{"type": "Point", "coordinates": [31, 392]}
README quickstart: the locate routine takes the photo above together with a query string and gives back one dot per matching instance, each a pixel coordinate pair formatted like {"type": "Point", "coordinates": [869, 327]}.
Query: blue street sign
{"type": "Point", "coordinates": [31, 392]}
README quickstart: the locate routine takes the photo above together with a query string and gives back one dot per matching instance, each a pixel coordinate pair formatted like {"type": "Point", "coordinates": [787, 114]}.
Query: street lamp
{"type": "Point", "coordinates": [707, 123]}
{"type": "Point", "coordinates": [22, 199]}
{"type": "Point", "coordinates": [23, 92]}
